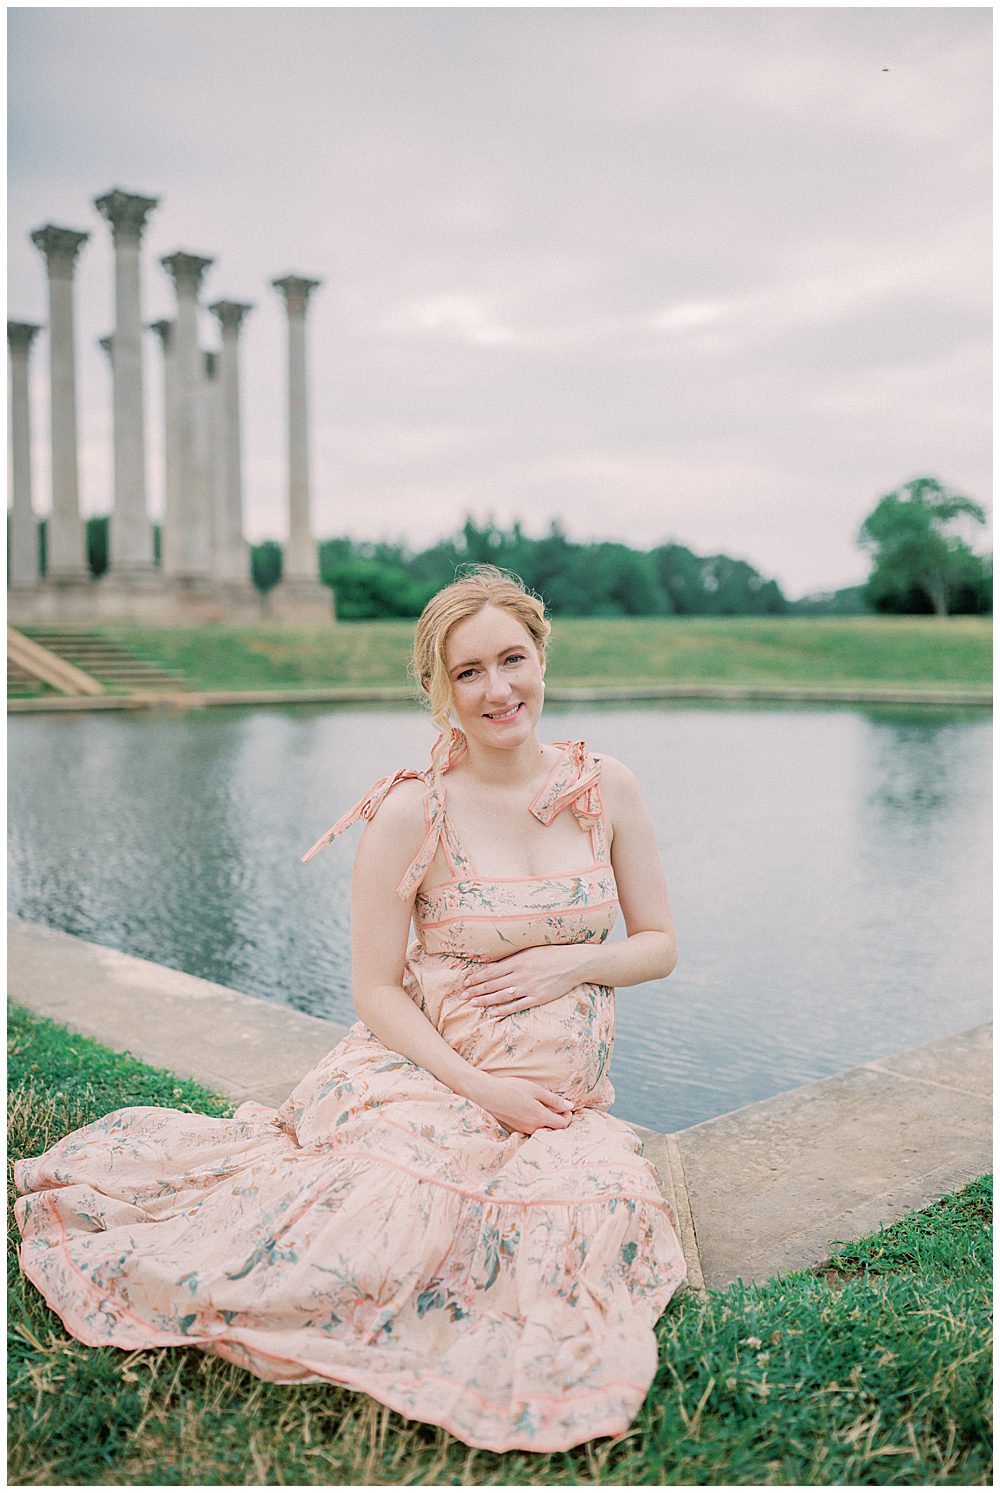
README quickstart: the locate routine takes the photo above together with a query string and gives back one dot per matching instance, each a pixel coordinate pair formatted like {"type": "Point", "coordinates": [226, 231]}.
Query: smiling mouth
{"type": "Point", "coordinates": [506, 715]}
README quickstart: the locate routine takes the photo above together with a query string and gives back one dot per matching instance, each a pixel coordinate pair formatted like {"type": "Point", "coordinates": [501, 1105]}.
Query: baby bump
{"type": "Point", "coordinates": [565, 1044]}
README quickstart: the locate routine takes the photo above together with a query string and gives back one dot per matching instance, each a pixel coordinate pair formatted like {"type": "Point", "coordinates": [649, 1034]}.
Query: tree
{"type": "Point", "coordinates": [265, 564]}
{"type": "Point", "coordinates": [97, 535]}
{"type": "Point", "coordinates": [918, 564]}
{"type": "Point", "coordinates": [368, 588]}
{"type": "Point", "coordinates": [576, 579]}
{"type": "Point", "coordinates": [714, 585]}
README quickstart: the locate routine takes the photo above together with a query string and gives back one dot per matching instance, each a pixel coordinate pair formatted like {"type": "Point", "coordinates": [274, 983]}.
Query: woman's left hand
{"type": "Point", "coordinates": [532, 977]}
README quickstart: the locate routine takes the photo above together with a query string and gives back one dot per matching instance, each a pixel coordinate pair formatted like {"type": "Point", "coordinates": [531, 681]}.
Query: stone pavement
{"type": "Point", "coordinates": [756, 1192]}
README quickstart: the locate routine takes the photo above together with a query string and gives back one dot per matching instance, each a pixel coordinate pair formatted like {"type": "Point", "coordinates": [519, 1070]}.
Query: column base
{"type": "Point", "coordinates": [177, 600]}
{"type": "Point", "coordinates": [299, 601]}
{"type": "Point", "coordinates": [144, 598]}
{"type": "Point", "coordinates": [136, 577]}
{"type": "Point", "coordinates": [52, 600]}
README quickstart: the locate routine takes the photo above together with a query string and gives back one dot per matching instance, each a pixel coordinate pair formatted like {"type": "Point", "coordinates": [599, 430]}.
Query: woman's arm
{"type": "Point", "coordinates": [648, 952]}
{"type": "Point", "coordinates": [380, 922]}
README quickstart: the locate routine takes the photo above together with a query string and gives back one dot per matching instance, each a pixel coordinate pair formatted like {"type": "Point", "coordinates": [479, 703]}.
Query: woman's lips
{"type": "Point", "coordinates": [506, 715]}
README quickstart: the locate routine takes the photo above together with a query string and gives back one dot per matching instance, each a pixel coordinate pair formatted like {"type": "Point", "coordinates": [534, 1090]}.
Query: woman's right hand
{"type": "Point", "coordinates": [520, 1104]}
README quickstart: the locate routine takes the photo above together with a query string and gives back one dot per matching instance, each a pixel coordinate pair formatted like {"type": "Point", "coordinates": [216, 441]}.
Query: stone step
{"type": "Point", "coordinates": [104, 659]}
{"type": "Point", "coordinates": [30, 658]}
{"type": "Point", "coordinates": [113, 661]}
{"type": "Point", "coordinates": [23, 684]}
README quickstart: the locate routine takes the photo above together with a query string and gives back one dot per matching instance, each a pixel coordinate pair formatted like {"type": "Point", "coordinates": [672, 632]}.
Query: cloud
{"type": "Point", "coordinates": [456, 317]}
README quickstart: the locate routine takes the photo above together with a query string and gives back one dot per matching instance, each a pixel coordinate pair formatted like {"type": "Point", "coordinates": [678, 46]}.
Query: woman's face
{"type": "Point", "coordinates": [496, 672]}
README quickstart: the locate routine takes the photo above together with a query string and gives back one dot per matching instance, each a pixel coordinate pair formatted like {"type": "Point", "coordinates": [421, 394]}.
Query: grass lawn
{"type": "Point", "coordinates": [915, 651]}
{"type": "Point", "coordinates": [872, 1369]}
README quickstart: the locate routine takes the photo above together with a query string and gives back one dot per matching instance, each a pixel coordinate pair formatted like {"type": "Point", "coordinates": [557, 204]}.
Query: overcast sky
{"type": "Point", "coordinates": [712, 275]}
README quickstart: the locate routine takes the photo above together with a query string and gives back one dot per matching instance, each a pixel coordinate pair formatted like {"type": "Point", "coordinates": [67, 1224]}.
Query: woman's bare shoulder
{"type": "Point", "coordinates": [620, 790]}
{"type": "Point", "coordinates": [400, 816]}
{"type": "Point", "coordinates": [404, 804]}
{"type": "Point", "coordinates": [614, 774]}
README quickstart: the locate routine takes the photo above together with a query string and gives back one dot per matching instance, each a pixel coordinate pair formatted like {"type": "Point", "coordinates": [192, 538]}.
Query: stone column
{"type": "Point", "coordinates": [66, 554]}
{"type": "Point", "coordinates": [208, 439]}
{"type": "Point", "coordinates": [300, 593]}
{"type": "Point", "coordinates": [232, 561]}
{"type": "Point", "coordinates": [191, 541]}
{"type": "Point", "coordinates": [131, 536]}
{"type": "Point", "coordinates": [107, 346]}
{"type": "Point", "coordinates": [171, 551]}
{"type": "Point", "coordinates": [23, 525]}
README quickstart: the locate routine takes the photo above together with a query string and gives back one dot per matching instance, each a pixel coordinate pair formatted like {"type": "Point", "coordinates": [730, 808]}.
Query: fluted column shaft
{"type": "Point", "coordinates": [23, 529]}
{"type": "Point", "coordinates": [301, 558]}
{"type": "Point", "coordinates": [171, 549]}
{"type": "Point", "coordinates": [131, 536]}
{"type": "Point", "coordinates": [65, 548]}
{"type": "Point", "coordinates": [208, 437]}
{"type": "Point", "coordinates": [192, 539]}
{"type": "Point", "coordinates": [232, 561]}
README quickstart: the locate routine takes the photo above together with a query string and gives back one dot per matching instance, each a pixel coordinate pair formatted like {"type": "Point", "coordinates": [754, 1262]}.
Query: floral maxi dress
{"type": "Point", "coordinates": [379, 1231]}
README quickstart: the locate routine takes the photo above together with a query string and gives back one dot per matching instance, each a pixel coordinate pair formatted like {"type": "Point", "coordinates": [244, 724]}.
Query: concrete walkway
{"type": "Point", "coordinates": [756, 1192]}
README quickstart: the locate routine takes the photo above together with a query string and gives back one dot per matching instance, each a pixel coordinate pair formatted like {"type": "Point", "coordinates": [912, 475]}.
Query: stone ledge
{"type": "Point", "coordinates": [401, 694]}
{"type": "Point", "coordinates": [235, 1044]}
{"type": "Point", "coordinates": [775, 1184]}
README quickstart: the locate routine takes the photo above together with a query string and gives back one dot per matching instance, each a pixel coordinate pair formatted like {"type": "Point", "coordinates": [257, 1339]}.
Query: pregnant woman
{"type": "Point", "coordinates": [443, 1214]}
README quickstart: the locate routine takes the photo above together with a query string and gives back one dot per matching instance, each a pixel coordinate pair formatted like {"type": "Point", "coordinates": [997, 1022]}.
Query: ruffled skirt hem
{"type": "Point", "coordinates": [534, 1422]}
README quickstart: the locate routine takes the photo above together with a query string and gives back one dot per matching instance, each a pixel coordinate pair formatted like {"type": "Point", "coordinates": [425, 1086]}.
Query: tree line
{"type": "Point", "coordinates": [576, 579]}
{"type": "Point", "coordinates": [919, 565]}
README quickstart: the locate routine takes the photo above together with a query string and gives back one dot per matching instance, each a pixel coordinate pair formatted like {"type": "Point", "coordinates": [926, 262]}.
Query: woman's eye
{"type": "Point", "coordinates": [514, 658]}
{"type": "Point", "coordinates": [465, 674]}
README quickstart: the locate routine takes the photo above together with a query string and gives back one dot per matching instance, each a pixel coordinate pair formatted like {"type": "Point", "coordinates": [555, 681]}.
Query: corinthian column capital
{"type": "Point", "coordinates": [186, 270]}
{"type": "Point", "coordinates": [126, 212]}
{"type": "Point", "coordinates": [60, 247]}
{"type": "Point", "coordinates": [21, 334]}
{"type": "Point", "coordinates": [296, 291]}
{"type": "Point", "coordinates": [231, 313]}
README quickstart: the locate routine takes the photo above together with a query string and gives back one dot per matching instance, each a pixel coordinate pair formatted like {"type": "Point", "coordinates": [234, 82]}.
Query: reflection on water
{"type": "Point", "coordinates": [829, 870]}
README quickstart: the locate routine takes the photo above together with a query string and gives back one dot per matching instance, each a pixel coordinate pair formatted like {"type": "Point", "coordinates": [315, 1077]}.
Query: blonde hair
{"type": "Point", "coordinates": [481, 586]}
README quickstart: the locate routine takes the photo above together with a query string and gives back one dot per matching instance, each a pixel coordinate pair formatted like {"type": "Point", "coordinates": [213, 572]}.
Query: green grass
{"type": "Point", "coordinates": [872, 1369]}
{"type": "Point", "coordinates": [861, 651]}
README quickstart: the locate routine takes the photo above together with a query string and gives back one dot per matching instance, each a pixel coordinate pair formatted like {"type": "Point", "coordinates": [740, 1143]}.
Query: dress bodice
{"type": "Point", "coordinates": [480, 916]}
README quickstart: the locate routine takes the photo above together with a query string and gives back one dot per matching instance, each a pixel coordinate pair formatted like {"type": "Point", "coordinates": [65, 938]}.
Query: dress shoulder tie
{"type": "Point", "coordinates": [368, 806]}
{"type": "Point", "coordinates": [576, 784]}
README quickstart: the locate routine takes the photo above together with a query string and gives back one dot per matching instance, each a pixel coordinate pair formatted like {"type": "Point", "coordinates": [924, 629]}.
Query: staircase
{"type": "Point", "coordinates": [114, 666]}
{"type": "Point", "coordinates": [21, 683]}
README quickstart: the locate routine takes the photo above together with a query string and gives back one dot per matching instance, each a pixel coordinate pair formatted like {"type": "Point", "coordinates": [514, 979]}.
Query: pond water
{"type": "Point", "coordinates": [829, 869]}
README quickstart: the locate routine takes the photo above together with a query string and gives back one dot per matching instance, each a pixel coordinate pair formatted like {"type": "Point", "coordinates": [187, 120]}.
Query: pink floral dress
{"type": "Point", "coordinates": [380, 1231]}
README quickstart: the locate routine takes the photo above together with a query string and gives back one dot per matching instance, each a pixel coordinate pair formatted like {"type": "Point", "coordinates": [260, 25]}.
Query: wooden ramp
{"type": "Point", "coordinates": [30, 664]}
